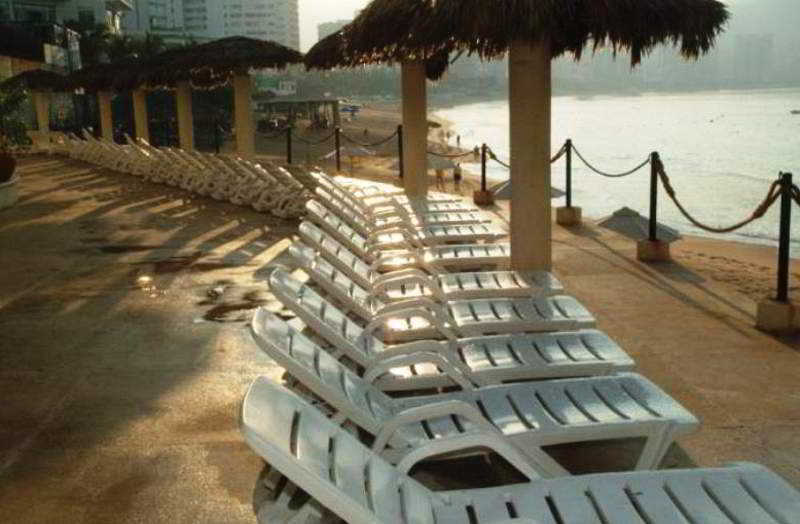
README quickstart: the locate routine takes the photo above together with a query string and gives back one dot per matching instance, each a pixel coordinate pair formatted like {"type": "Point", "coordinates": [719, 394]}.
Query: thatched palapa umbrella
{"type": "Point", "coordinates": [533, 32]}
{"type": "Point", "coordinates": [41, 83]}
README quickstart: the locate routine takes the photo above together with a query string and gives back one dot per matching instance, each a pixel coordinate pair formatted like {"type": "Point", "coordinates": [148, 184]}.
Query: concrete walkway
{"type": "Point", "coordinates": [124, 355]}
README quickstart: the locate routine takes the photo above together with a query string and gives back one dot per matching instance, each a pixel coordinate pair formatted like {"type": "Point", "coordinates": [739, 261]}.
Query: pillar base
{"type": "Point", "coordinates": [653, 251]}
{"type": "Point", "coordinates": [776, 317]}
{"type": "Point", "coordinates": [483, 198]}
{"type": "Point", "coordinates": [569, 216]}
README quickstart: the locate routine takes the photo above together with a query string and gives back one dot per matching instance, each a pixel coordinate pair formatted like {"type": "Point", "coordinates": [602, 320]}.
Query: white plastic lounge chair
{"type": "Point", "coordinates": [530, 414]}
{"type": "Point", "coordinates": [409, 215]}
{"type": "Point", "coordinates": [376, 193]}
{"type": "Point", "coordinates": [434, 259]}
{"type": "Point", "coordinates": [355, 484]}
{"type": "Point", "coordinates": [422, 318]}
{"type": "Point", "coordinates": [501, 357]}
{"type": "Point", "coordinates": [414, 282]}
{"type": "Point", "coordinates": [396, 238]}
{"type": "Point", "coordinates": [397, 234]}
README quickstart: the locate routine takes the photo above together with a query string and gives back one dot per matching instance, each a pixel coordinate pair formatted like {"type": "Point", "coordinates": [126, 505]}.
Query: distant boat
{"type": "Point", "coordinates": [795, 111]}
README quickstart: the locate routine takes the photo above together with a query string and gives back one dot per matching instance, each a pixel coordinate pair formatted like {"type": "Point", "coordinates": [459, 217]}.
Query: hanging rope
{"type": "Point", "coordinates": [313, 142]}
{"type": "Point", "coordinates": [276, 134]}
{"type": "Point", "coordinates": [373, 144]}
{"type": "Point", "coordinates": [449, 155]}
{"type": "Point", "coordinates": [561, 152]}
{"type": "Point", "coordinates": [772, 195]}
{"type": "Point", "coordinates": [610, 175]}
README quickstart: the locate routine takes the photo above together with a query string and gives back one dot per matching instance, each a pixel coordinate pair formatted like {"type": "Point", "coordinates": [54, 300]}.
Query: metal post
{"type": "Point", "coordinates": [655, 161]}
{"type": "Point", "coordinates": [338, 137]}
{"type": "Point", "coordinates": [289, 145]}
{"type": "Point", "coordinates": [484, 149]}
{"type": "Point", "coordinates": [400, 148]}
{"type": "Point", "coordinates": [785, 237]}
{"type": "Point", "coordinates": [568, 146]}
{"type": "Point", "coordinates": [216, 135]}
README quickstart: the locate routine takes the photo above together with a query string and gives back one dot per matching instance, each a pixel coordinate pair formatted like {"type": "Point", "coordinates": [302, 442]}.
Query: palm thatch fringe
{"type": "Point", "coordinates": [37, 80]}
{"type": "Point", "coordinates": [399, 30]}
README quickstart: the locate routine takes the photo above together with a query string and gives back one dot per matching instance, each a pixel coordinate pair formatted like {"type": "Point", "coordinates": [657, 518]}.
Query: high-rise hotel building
{"type": "Point", "coordinates": [202, 20]}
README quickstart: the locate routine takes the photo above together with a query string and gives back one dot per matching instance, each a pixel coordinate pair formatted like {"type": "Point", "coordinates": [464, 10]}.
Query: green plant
{"type": "Point", "coordinates": [13, 131]}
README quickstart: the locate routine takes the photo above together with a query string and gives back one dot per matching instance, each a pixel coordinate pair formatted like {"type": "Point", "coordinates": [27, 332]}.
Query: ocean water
{"type": "Point", "coordinates": [721, 151]}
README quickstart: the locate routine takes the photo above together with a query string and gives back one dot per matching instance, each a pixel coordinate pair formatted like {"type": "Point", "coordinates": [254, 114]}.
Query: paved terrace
{"type": "Point", "coordinates": [124, 355]}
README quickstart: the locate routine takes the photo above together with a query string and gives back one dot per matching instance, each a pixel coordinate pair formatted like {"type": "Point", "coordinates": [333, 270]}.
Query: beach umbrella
{"type": "Point", "coordinates": [533, 32]}
{"type": "Point", "coordinates": [631, 224]}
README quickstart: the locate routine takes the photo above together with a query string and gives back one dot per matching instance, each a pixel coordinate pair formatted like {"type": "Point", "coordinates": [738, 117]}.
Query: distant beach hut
{"type": "Point", "coordinates": [631, 224]}
{"type": "Point", "coordinates": [421, 35]}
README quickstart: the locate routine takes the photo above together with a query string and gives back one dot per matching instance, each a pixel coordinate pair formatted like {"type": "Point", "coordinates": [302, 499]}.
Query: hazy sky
{"type": "Point", "coordinates": [313, 12]}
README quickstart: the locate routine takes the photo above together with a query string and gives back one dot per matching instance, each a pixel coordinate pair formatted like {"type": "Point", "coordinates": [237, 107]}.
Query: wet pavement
{"type": "Point", "coordinates": [124, 354]}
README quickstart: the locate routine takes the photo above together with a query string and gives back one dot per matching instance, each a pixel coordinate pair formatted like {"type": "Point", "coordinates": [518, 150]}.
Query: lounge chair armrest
{"type": "Point", "coordinates": [420, 356]}
{"type": "Point", "coordinates": [399, 273]}
{"type": "Point", "coordinates": [430, 315]}
{"type": "Point", "coordinates": [409, 236]}
{"type": "Point", "coordinates": [381, 258]}
{"type": "Point", "coordinates": [494, 441]}
{"type": "Point", "coordinates": [381, 285]}
{"type": "Point", "coordinates": [414, 303]}
{"type": "Point", "coordinates": [427, 412]}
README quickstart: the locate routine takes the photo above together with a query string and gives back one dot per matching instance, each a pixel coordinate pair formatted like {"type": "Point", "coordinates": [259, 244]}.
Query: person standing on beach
{"type": "Point", "coordinates": [458, 141]}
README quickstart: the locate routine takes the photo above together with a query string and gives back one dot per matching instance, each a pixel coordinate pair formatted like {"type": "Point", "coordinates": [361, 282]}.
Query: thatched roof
{"type": "Point", "coordinates": [102, 77]}
{"type": "Point", "coordinates": [399, 30]}
{"type": "Point", "coordinates": [209, 65]}
{"type": "Point", "coordinates": [37, 80]}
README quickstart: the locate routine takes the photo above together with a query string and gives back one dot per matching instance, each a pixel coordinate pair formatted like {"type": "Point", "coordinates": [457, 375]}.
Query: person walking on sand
{"type": "Point", "coordinates": [457, 173]}
{"type": "Point", "coordinates": [458, 141]}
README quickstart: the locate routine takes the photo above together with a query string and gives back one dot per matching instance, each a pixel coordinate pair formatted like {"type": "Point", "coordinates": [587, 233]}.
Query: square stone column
{"type": "Point", "coordinates": [415, 129]}
{"type": "Point", "coordinates": [183, 99]}
{"type": "Point", "coordinates": [140, 118]}
{"type": "Point", "coordinates": [106, 115]}
{"type": "Point", "coordinates": [243, 116]}
{"type": "Point", "coordinates": [529, 106]}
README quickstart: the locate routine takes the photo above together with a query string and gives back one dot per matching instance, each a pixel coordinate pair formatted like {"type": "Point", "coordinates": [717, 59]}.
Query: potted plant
{"type": "Point", "coordinates": [13, 136]}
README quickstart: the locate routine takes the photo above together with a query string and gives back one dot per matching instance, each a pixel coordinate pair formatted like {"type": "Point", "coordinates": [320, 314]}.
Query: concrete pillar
{"type": "Point", "coordinates": [183, 98]}
{"type": "Point", "coordinates": [243, 111]}
{"type": "Point", "coordinates": [529, 105]}
{"type": "Point", "coordinates": [140, 114]}
{"type": "Point", "coordinates": [415, 129]}
{"type": "Point", "coordinates": [106, 116]}
{"type": "Point", "coordinates": [41, 101]}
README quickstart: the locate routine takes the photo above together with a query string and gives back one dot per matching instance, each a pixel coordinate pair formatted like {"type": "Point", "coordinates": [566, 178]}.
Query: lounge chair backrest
{"type": "Point", "coordinates": [335, 281]}
{"type": "Point", "coordinates": [324, 317]}
{"type": "Point", "coordinates": [336, 226]}
{"type": "Point", "coordinates": [343, 211]}
{"type": "Point", "coordinates": [364, 404]}
{"type": "Point", "coordinates": [328, 462]}
{"type": "Point", "coordinates": [338, 253]}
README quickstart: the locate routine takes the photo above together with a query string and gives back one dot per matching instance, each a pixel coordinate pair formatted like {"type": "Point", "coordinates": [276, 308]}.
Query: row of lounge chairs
{"type": "Point", "coordinates": [515, 366]}
{"type": "Point", "coordinates": [264, 187]}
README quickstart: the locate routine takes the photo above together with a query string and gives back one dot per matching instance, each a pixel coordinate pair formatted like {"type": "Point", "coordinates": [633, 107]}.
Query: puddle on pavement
{"type": "Point", "coordinates": [189, 263]}
{"type": "Point", "coordinates": [238, 309]}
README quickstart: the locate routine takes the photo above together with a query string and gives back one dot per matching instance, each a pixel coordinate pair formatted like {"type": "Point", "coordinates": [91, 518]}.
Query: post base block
{"type": "Point", "coordinates": [483, 198]}
{"type": "Point", "coordinates": [653, 251]}
{"type": "Point", "coordinates": [776, 317]}
{"type": "Point", "coordinates": [569, 216]}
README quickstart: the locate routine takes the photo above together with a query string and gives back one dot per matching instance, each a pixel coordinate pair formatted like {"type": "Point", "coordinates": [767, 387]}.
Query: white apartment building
{"type": "Point", "coordinates": [203, 20]}
{"type": "Point", "coordinates": [90, 12]}
{"type": "Point", "coordinates": [328, 28]}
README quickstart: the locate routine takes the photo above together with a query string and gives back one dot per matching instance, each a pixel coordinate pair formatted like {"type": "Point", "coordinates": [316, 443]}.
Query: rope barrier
{"type": "Point", "coordinates": [454, 155]}
{"type": "Point", "coordinates": [761, 209]}
{"type": "Point", "coordinates": [270, 136]}
{"type": "Point", "coordinates": [313, 142]}
{"type": "Point", "coordinates": [374, 144]}
{"type": "Point", "coordinates": [795, 194]}
{"type": "Point", "coordinates": [561, 152]}
{"type": "Point", "coordinates": [610, 175]}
